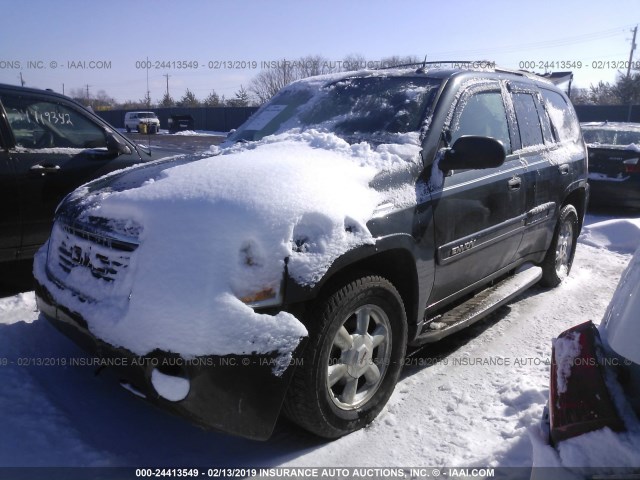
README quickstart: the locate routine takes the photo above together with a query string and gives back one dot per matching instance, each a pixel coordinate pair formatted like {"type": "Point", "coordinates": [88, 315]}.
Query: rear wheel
{"type": "Point", "coordinates": [353, 359]}
{"type": "Point", "coordinates": [559, 258]}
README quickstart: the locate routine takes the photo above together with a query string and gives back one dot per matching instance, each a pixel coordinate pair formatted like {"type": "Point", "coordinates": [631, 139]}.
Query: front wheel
{"type": "Point", "coordinates": [352, 362]}
{"type": "Point", "coordinates": [559, 258]}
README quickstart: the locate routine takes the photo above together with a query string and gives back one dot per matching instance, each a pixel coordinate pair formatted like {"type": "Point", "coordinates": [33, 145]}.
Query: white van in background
{"type": "Point", "coordinates": [132, 121]}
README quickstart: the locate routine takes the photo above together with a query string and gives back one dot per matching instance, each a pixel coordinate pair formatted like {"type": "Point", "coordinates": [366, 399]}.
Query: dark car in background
{"type": "Point", "coordinates": [180, 123]}
{"type": "Point", "coordinates": [614, 163]}
{"type": "Point", "coordinates": [49, 145]}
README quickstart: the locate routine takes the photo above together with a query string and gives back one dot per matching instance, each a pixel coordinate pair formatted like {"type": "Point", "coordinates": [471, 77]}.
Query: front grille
{"type": "Point", "coordinates": [73, 247]}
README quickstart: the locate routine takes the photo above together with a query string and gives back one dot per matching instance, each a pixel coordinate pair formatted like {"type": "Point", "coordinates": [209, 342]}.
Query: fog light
{"type": "Point", "coordinates": [261, 296]}
{"type": "Point", "coordinates": [170, 387]}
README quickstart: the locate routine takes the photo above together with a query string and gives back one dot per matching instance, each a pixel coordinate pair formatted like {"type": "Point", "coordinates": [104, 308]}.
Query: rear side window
{"type": "Point", "coordinates": [482, 114]}
{"type": "Point", "coordinates": [562, 115]}
{"type": "Point", "coordinates": [528, 120]}
{"type": "Point", "coordinates": [546, 123]}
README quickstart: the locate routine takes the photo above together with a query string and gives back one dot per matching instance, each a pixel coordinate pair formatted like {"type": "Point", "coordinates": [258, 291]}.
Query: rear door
{"type": "Point", "coordinates": [55, 148]}
{"type": "Point", "coordinates": [535, 142]}
{"type": "Point", "coordinates": [556, 155]}
{"type": "Point", "coordinates": [478, 213]}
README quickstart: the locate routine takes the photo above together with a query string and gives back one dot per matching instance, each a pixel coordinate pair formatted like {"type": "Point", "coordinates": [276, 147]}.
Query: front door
{"type": "Point", "coordinates": [56, 148]}
{"type": "Point", "coordinates": [478, 213]}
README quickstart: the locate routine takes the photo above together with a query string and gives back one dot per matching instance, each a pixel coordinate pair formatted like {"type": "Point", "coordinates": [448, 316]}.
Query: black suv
{"type": "Point", "coordinates": [49, 145]}
{"type": "Point", "coordinates": [351, 216]}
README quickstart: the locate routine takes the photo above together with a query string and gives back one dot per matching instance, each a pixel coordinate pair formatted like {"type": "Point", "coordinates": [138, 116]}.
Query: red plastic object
{"type": "Point", "coordinates": [585, 404]}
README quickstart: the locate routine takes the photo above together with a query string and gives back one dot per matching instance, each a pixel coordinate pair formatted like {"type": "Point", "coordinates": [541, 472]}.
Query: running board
{"type": "Point", "coordinates": [479, 306]}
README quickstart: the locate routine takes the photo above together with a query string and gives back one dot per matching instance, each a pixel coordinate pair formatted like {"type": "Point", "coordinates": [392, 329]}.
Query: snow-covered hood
{"type": "Point", "coordinates": [218, 229]}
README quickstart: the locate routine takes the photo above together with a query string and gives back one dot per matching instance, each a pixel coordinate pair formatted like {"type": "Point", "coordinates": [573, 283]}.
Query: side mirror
{"type": "Point", "coordinates": [470, 151]}
{"type": "Point", "coordinates": [116, 146]}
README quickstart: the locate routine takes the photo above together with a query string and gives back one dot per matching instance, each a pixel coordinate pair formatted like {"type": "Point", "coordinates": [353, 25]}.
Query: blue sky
{"type": "Point", "coordinates": [51, 34]}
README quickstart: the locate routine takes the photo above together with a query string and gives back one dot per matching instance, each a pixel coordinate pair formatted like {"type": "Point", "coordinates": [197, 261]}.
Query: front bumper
{"type": "Point", "coordinates": [237, 394]}
{"type": "Point", "coordinates": [622, 194]}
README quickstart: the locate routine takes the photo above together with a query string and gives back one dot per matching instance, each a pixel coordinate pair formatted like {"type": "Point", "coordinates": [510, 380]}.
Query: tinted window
{"type": "Point", "coordinates": [528, 120]}
{"type": "Point", "coordinates": [482, 114]}
{"type": "Point", "coordinates": [610, 136]}
{"type": "Point", "coordinates": [562, 116]}
{"type": "Point", "coordinates": [546, 124]}
{"type": "Point", "coordinates": [38, 124]}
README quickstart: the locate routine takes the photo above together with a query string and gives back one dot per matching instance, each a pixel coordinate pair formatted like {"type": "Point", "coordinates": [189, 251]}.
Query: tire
{"type": "Point", "coordinates": [128, 129]}
{"type": "Point", "coordinates": [559, 258]}
{"type": "Point", "coordinates": [352, 360]}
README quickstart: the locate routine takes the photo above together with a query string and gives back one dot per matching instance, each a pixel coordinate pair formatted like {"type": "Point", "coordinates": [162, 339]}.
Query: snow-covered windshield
{"type": "Point", "coordinates": [351, 107]}
{"type": "Point", "coordinates": [609, 136]}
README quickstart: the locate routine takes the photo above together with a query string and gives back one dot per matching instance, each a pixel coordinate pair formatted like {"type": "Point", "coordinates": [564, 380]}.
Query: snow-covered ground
{"type": "Point", "coordinates": [472, 400]}
{"type": "Point", "coordinates": [195, 133]}
{"type": "Point", "coordinates": [189, 133]}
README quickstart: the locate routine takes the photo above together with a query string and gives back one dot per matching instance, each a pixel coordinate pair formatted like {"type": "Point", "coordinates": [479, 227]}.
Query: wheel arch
{"type": "Point", "coordinates": [577, 198]}
{"type": "Point", "coordinates": [396, 264]}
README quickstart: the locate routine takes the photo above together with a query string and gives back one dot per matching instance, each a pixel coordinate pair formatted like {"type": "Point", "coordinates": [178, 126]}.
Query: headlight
{"type": "Point", "coordinates": [255, 287]}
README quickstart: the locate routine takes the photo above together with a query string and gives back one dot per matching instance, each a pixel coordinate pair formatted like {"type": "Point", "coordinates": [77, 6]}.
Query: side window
{"type": "Point", "coordinates": [38, 123]}
{"type": "Point", "coordinates": [546, 124]}
{"type": "Point", "coordinates": [563, 118]}
{"type": "Point", "coordinates": [528, 119]}
{"type": "Point", "coordinates": [482, 114]}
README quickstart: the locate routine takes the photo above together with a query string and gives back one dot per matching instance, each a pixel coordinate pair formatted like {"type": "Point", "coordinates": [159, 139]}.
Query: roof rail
{"type": "Point", "coordinates": [522, 73]}
{"type": "Point", "coordinates": [553, 77]}
{"type": "Point", "coordinates": [488, 63]}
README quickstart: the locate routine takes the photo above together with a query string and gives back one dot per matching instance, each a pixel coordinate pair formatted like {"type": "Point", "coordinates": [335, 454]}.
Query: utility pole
{"type": "Point", "coordinates": [22, 82]}
{"type": "Point", "coordinates": [167, 76]}
{"type": "Point", "coordinates": [633, 47]}
{"type": "Point", "coordinates": [148, 98]}
{"type": "Point", "coordinates": [88, 91]}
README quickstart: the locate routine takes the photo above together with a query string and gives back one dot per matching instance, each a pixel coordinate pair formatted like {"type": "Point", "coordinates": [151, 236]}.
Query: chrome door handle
{"type": "Point", "coordinates": [515, 183]}
{"type": "Point", "coordinates": [42, 169]}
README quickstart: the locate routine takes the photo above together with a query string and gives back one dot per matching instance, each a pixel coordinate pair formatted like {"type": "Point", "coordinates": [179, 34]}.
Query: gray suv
{"type": "Point", "coordinates": [353, 215]}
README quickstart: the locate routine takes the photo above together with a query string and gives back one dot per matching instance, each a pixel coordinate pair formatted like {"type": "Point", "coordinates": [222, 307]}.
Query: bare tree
{"type": "Point", "coordinates": [133, 104]}
{"type": "Point", "coordinates": [282, 72]}
{"type": "Point", "coordinates": [269, 81]}
{"type": "Point", "coordinates": [353, 62]}
{"type": "Point", "coordinates": [397, 60]}
{"type": "Point", "coordinates": [99, 101]}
